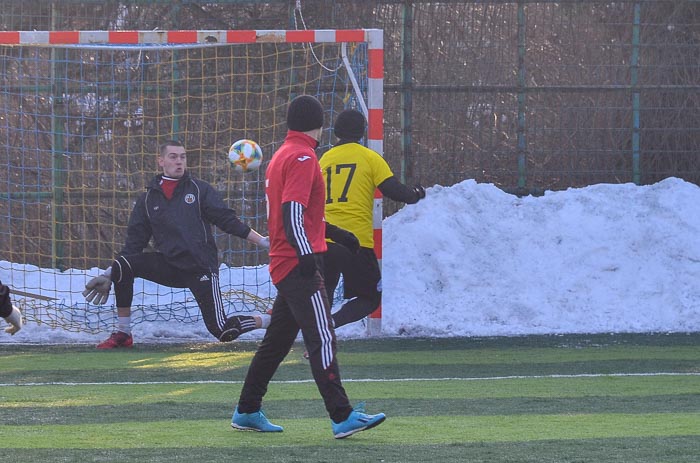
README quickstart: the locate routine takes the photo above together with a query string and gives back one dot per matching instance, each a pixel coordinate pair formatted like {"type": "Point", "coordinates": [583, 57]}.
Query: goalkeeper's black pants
{"type": "Point", "coordinates": [301, 304]}
{"type": "Point", "coordinates": [153, 266]}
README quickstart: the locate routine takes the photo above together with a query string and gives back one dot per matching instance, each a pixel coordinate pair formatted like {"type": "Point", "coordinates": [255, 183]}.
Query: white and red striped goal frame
{"type": "Point", "coordinates": [375, 71]}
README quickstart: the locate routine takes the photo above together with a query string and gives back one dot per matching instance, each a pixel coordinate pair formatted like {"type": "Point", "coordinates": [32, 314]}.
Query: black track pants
{"type": "Point", "coordinates": [301, 304]}
{"type": "Point", "coordinates": [153, 266]}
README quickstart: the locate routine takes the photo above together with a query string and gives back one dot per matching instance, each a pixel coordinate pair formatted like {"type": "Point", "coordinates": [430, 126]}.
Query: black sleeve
{"type": "Point", "coordinates": [216, 212]}
{"type": "Point", "coordinates": [293, 220]}
{"type": "Point", "coordinates": [331, 231]}
{"type": "Point", "coordinates": [392, 188]}
{"type": "Point", "coordinates": [138, 232]}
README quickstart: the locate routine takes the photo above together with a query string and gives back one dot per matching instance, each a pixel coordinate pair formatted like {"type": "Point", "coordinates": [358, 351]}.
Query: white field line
{"type": "Point", "coordinates": [350, 380]}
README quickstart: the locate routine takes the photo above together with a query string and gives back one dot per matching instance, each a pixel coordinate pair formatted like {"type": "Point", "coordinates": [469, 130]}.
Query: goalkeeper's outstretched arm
{"type": "Point", "coordinates": [9, 312]}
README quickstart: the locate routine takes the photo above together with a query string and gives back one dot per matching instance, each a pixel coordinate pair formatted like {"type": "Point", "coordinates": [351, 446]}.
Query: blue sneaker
{"type": "Point", "coordinates": [256, 421]}
{"type": "Point", "coordinates": [356, 422]}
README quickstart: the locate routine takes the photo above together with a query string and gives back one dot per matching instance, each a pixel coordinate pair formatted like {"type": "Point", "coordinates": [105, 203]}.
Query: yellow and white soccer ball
{"type": "Point", "coordinates": [245, 156]}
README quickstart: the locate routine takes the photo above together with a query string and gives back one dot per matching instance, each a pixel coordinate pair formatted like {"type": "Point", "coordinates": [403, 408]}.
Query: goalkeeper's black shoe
{"type": "Point", "coordinates": [236, 326]}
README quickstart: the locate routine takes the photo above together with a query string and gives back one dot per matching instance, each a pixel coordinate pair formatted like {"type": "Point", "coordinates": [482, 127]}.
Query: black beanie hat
{"type": "Point", "coordinates": [304, 113]}
{"type": "Point", "coordinates": [349, 125]}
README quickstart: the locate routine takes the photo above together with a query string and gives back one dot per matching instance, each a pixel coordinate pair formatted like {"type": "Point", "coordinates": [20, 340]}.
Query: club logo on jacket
{"type": "Point", "coordinates": [189, 198]}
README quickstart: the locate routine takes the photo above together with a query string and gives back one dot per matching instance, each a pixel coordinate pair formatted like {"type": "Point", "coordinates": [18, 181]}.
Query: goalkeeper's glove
{"type": "Point", "coordinates": [97, 290]}
{"type": "Point", "coordinates": [343, 237]}
{"type": "Point", "coordinates": [419, 191]}
{"type": "Point", "coordinates": [15, 320]}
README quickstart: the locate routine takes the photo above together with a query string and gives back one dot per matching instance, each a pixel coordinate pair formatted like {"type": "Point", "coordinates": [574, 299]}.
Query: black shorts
{"type": "Point", "coordinates": [361, 274]}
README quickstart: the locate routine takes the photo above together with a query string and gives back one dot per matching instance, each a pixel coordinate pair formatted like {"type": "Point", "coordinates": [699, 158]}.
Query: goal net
{"type": "Point", "coordinates": [82, 114]}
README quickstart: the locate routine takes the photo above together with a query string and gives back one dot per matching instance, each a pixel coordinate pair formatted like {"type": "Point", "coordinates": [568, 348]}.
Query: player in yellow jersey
{"type": "Point", "coordinates": [352, 173]}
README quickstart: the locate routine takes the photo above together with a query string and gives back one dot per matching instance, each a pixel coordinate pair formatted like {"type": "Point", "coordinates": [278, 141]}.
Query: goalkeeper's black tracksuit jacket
{"type": "Point", "coordinates": [186, 254]}
{"type": "Point", "coordinates": [181, 226]}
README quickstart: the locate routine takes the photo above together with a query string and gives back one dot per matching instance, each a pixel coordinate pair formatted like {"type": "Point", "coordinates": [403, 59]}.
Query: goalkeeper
{"type": "Point", "coordinates": [353, 173]}
{"type": "Point", "coordinates": [177, 211]}
{"type": "Point", "coordinates": [9, 312]}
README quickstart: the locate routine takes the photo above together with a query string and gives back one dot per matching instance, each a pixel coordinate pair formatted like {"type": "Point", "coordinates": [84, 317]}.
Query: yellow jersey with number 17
{"type": "Point", "coordinates": [352, 173]}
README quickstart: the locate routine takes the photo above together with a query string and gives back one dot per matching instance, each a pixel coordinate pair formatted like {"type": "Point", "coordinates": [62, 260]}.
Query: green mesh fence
{"type": "Point", "coordinates": [527, 95]}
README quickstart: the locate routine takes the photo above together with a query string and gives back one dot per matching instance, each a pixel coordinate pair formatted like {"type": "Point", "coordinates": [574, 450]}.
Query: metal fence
{"type": "Point", "coordinates": [528, 95]}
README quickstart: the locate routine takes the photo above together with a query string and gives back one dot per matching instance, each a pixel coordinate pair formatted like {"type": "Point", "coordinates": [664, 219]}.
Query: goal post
{"type": "Point", "coordinates": [82, 114]}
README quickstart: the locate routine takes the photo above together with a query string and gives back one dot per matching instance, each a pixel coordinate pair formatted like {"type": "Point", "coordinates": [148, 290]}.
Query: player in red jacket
{"type": "Point", "coordinates": [295, 193]}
